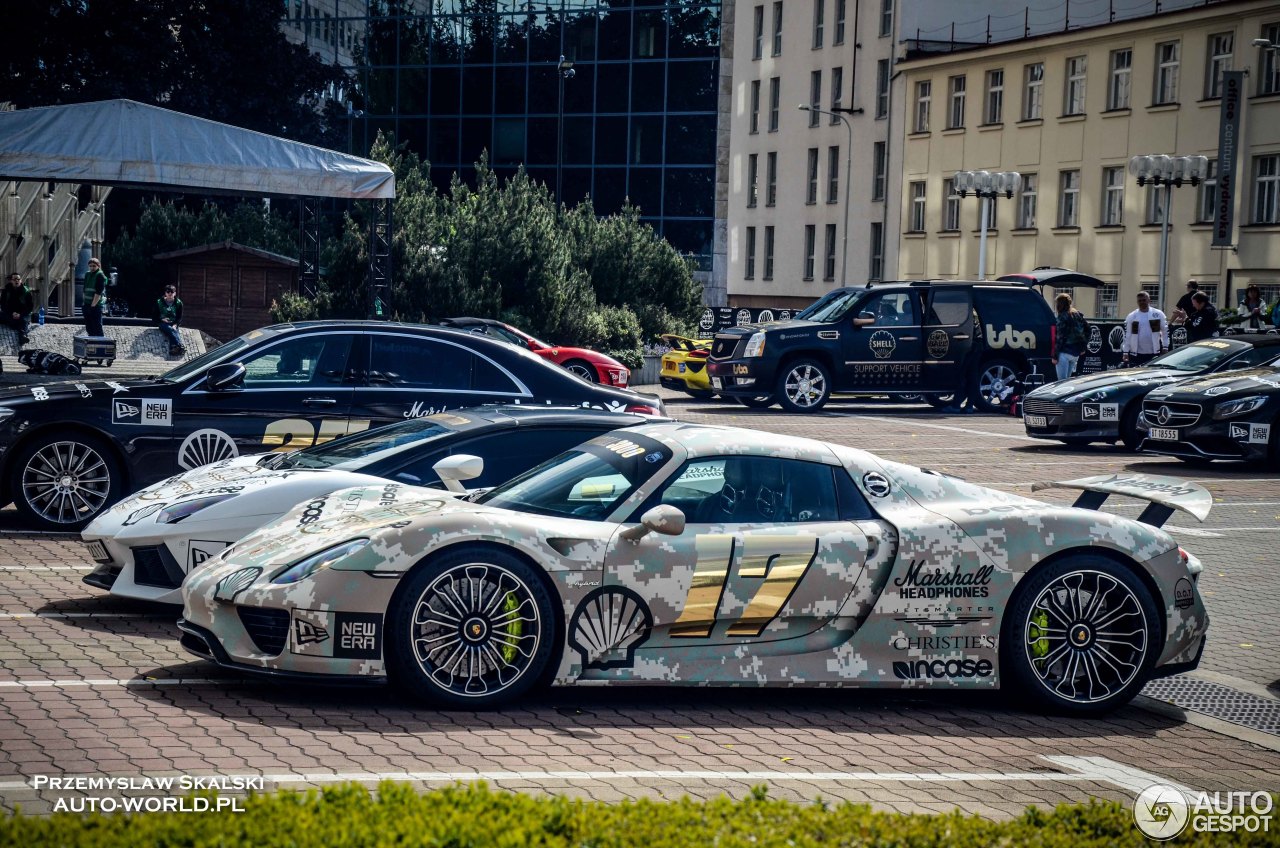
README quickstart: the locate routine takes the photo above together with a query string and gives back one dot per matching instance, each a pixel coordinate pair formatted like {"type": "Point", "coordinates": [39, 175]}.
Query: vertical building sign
{"type": "Point", "coordinates": [1228, 145]}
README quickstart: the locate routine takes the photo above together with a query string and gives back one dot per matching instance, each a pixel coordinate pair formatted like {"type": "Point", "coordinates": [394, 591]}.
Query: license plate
{"type": "Point", "coordinates": [98, 552]}
{"type": "Point", "coordinates": [681, 367]}
{"type": "Point", "coordinates": [1037, 421]}
{"type": "Point", "coordinates": [715, 383]}
{"type": "Point", "coordinates": [1164, 435]}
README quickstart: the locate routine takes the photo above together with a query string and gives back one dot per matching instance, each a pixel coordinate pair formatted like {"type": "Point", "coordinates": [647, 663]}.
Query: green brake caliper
{"type": "Point", "coordinates": [514, 628]}
{"type": "Point", "coordinates": [1037, 635]}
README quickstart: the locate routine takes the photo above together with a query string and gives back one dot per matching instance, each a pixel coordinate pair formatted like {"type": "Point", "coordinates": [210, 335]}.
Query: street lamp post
{"type": "Point", "coordinates": [565, 71]}
{"type": "Point", "coordinates": [987, 185]}
{"type": "Point", "coordinates": [840, 112]}
{"type": "Point", "coordinates": [1170, 172]}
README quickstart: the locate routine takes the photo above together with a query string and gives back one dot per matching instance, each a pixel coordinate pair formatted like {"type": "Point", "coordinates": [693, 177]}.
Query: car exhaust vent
{"type": "Point", "coordinates": [268, 628]}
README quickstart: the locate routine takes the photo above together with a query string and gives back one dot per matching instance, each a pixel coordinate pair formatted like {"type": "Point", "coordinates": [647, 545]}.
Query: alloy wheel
{"type": "Point", "coordinates": [476, 629]}
{"type": "Point", "coordinates": [805, 386]}
{"type": "Point", "coordinates": [66, 482]}
{"type": "Point", "coordinates": [581, 371]}
{"type": "Point", "coordinates": [993, 383]}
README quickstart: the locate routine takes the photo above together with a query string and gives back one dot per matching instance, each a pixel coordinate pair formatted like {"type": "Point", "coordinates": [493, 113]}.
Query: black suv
{"type": "Point", "coordinates": [933, 338]}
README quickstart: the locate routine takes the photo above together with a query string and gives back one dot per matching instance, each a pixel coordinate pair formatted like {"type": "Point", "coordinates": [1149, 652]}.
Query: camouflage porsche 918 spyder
{"type": "Point", "coordinates": [690, 555]}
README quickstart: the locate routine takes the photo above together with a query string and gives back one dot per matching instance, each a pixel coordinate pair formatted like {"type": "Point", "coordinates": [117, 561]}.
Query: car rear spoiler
{"type": "Point", "coordinates": [682, 343]}
{"type": "Point", "coordinates": [1165, 494]}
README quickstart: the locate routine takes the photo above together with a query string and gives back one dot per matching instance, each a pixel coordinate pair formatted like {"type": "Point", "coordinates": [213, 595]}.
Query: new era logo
{"type": "Point", "coordinates": [152, 412]}
{"type": "Point", "coordinates": [126, 409]}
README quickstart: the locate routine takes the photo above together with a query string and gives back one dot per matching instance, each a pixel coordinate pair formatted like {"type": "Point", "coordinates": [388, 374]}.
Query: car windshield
{"type": "Point", "coordinates": [361, 450]}
{"type": "Point", "coordinates": [586, 482]}
{"type": "Point", "coordinates": [1197, 356]}
{"type": "Point", "coordinates": [206, 359]}
{"type": "Point", "coordinates": [831, 308]}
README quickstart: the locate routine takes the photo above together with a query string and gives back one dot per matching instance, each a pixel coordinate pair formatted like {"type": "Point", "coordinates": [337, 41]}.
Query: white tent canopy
{"type": "Point", "coordinates": [130, 144]}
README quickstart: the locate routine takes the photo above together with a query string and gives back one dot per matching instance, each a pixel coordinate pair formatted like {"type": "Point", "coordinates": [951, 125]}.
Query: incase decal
{"type": "Point", "coordinates": [883, 344]}
{"type": "Point", "coordinates": [936, 669]}
{"type": "Point", "coordinates": [156, 412]}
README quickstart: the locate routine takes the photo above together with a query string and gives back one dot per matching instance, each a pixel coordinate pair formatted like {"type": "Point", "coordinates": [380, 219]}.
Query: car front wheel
{"type": "Point", "coordinates": [805, 386]}
{"type": "Point", "coordinates": [994, 386]}
{"type": "Point", "coordinates": [1081, 636]}
{"type": "Point", "coordinates": [64, 480]}
{"type": "Point", "coordinates": [474, 629]}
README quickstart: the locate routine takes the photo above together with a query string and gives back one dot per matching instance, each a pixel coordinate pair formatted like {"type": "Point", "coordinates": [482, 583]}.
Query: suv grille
{"type": "Point", "coordinates": [1038, 406]}
{"type": "Point", "coordinates": [724, 346]}
{"type": "Point", "coordinates": [268, 628]}
{"type": "Point", "coordinates": [1173, 415]}
{"type": "Point", "coordinates": [153, 565]}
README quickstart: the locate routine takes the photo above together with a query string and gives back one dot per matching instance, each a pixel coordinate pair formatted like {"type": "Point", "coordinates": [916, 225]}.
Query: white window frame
{"type": "Point", "coordinates": [1265, 205]}
{"type": "Point", "coordinates": [1027, 201]}
{"type": "Point", "coordinates": [880, 169]}
{"type": "Point", "coordinates": [769, 242]}
{"type": "Point", "coordinates": [819, 23]}
{"type": "Point", "coordinates": [771, 178]}
{"type": "Point", "coordinates": [749, 265]}
{"type": "Point", "coordinates": [833, 173]}
{"type": "Point", "coordinates": [1073, 102]}
{"type": "Point", "coordinates": [777, 28]}
{"type": "Point", "coordinates": [886, 18]}
{"type": "Point", "coordinates": [923, 102]}
{"type": "Point", "coordinates": [882, 88]}
{"type": "Point", "coordinates": [1112, 196]}
{"type": "Point", "coordinates": [841, 7]}
{"type": "Point", "coordinates": [1120, 78]}
{"type": "Point", "coordinates": [1155, 205]}
{"type": "Point", "coordinates": [757, 42]}
{"type": "Point", "coordinates": [829, 253]}
{"type": "Point", "coordinates": [811, 180]}
{"type": "Point", "coordinates": [753, 176]}
{"type": "Point", "coordinates": [994, 113]}
{"type": "Point", "coordinates": [1109, 300]}
{"type": "Point", "coordinates": [815, 97]}
{"type": "Point", "coordinates": [810, 249]}
{"type": "Point", "coordinates": [754, 126]}
{"type": "Point", "coordinates": [956, 93]}
{"type": "Point", "coordinates": [919, 199]}
{"type": "Point", "coordinates": [837, 93]}
{"type": "Point", "coordinates": [1219, 54]}
{"type": "Point", "coordinates": [1033, 91]}
{"type": "Point", "coordinates": [1207, 196]}
{"type": "Point", "coordinates": [1269, 61]}
{"type": "Point", "coordinates": [1168, 60]}
{"type": "Point", "coordinates": [875, 257]}
{"type": "Point", "coordinates": [775, 102]}
{"type": "Point", "coordinates": [1069, 198]}
{"type": "Point", "coordinates": [950, 207]}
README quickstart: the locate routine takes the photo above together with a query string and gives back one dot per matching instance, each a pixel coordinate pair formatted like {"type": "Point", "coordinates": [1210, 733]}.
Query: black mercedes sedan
{"type": "Point", "coordinates": [70, 450]}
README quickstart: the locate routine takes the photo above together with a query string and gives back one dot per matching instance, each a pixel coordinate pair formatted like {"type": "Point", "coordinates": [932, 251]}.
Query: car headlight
{"type": "Point", "coordinates": [1239, 407]}
{"type": "Point", "coordinates": [304, 568]}
{"type": "Point", "coordinates": [174, 513]}
{"type": "Point", "coordinates": [755, 345]}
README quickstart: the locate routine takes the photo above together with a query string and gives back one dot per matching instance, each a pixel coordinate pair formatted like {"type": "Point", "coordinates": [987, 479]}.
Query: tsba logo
{"type": "Point", "coordinates": [941, 669]}
{"type": "Point", "coordinates": [1010, 338]}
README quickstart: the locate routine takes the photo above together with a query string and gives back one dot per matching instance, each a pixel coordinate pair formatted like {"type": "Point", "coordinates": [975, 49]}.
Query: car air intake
{"type": "Point", "coordinates": [153, 565]}
{"type": "Point", "coordinates": [268, 628]}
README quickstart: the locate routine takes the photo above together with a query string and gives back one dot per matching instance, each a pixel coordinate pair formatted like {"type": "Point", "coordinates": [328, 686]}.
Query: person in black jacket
{"type": "Point", "coordinates": [16, 304]}
{"type": "Point", "coordinates": [1202, 320]}
{"type": "Point", "coordinates": [168, 317]}
{"type": "Point", "coordinates": [95, 292]}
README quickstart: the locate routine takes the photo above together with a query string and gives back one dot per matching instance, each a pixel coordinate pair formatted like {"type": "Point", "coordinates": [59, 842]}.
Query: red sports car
{"type": "Point", "coordinates": [588, 364]}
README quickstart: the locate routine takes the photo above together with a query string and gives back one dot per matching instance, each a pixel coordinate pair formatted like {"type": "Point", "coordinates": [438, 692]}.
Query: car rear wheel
{"type": "Point", "coordinates": [994, 385]}
{"type": "Point", "coordinates": [762, 402]}
{"type": "Point", "coordinates": [64, 480]}
{"type": "Point", "coordinates": [805, 386]}
{"type": "Point", "coordinates": [1081, 636]}
{"type": "Point", "coordinates": [578, 368]}
{"type": "Point", "coordinates": [474, 629]}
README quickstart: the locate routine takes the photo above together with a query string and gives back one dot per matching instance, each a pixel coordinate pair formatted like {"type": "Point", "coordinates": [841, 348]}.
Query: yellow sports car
{"type": "Point", "coordinates": [684, 368]}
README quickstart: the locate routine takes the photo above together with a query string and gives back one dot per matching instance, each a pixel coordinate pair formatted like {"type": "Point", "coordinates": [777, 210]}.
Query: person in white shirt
{"type": "Point", "coordinates": [1146, 333]}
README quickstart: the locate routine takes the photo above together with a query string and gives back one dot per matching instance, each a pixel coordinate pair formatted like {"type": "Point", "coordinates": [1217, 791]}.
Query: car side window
{"type": "Point", "coordinates": [949, 307]}
{"type": "Point", "coordinates": [751, 490]}
{"type": "Point", "coordinates": [506, 454]}
{"type": "Point", "coordinates": [892, 309]}
{"type": "Point", "coordinates": [1256, 355]}
{"type": "Point", "coordinates": [314, 360]}
{"type": "Point", "coordinates": [418, 363]}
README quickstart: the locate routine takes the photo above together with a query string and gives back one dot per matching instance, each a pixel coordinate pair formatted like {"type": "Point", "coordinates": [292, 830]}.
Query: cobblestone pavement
{"type": "Point", "coordinates": [95, 686]}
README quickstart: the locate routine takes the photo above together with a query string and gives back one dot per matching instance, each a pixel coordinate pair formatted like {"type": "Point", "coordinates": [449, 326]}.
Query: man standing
{"type": "Point", "coordinates": [1183, 310]}
{"type": "Point", "coordinates": [168, 317]}
{"type": "Point", "coordinates": [1202, 322]}
{"type": "Point", "coordinates": [1071, 338]}
{"type": "Point", "coordinates": [1146, 333]}
{"type": "Point", "coordinates": [16, 304]}
{"type": "Point", "coordinates": [95, 292]}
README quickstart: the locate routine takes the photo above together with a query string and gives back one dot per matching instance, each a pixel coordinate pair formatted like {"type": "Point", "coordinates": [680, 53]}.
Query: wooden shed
{"type": "Point", "coordinates": [226, 288]}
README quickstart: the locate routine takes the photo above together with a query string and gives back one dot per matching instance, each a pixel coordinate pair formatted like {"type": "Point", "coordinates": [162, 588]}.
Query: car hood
{"type": "Point", "coordinates": [1237, 383]}
{"type": "Point", "coordinates": [794, 324]}
{"type": "Point", "coordinates": [1121, 378]}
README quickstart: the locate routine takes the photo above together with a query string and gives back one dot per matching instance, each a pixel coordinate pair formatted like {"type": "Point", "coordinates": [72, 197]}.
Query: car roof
{"type": "Point", "coordinates": [471, 322]}
{"type": "Point", "coordinates": [711, 440]}
{"type": "Point", "coordinates": [1255, 339]}
{"type": "Point", "coordinates": [531, 414]}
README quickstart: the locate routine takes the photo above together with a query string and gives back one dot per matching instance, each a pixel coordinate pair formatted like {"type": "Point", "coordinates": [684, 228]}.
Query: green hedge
{"type": "Point", "coordinates": [465, 816]}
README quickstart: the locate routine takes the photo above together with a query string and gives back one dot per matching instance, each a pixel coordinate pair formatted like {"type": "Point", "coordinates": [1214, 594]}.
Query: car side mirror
{"type": "Point", "coordinates": [864, 319]}
{"type": "Point", "coordinates": [224, 377]}
{"type": "Point", "coordinates": [453, 469]}
{"type": "Point", "coordinates": [663, 518]}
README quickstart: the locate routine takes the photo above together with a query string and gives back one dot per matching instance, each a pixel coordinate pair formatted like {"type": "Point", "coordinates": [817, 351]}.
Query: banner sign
{"type": "Point", "coordinates": [1228, 156]}
{"type": "Point", "coordinates": [717, 318]}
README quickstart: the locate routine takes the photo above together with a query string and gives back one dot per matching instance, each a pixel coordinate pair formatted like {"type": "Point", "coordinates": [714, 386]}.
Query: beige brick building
{"type": "Point", "coordinates": [1068, 111]}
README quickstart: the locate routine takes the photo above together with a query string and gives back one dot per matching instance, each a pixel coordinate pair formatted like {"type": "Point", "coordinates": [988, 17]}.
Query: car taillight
{"type": "Point", "coordinates": [700, 353]}
{"type": "Point", "coordinates": [642, 409]}
{"type": "Point", "coordinates": [1053, 337]}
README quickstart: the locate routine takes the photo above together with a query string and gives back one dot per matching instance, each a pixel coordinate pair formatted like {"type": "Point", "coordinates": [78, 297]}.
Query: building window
{"type": "Point", "coordinates": [833, 173]}
{"type": "Point", "coordinates": [875, 268]}
{"type": "Point", "coordinates": [840, 14]}
{"type": "Point", "coordinates": [1211, 291]}
{"type": "Point", "coordinates": [917, 207]}
{"type": "Point", "coordinates": [991, 214]}
{"type": "Point", "coordinates": [1207, 208]}
{"type": "Point", "coordinates": [815, 98]}
{"type": "Point", "coordinates": [950, 206]}
{"type": "Point", "coordinates": [880, 166]}
{"type": "Point", "coordinates": [757, 41]}
{"type": "Point", "coordinates": [1266, 190]}
{"type": "Point", "coordinates": [837, 92]}
{"type": "Point", "coordinates": [810, 236]}
{"type": "Point", "coordinates": [1069, 199]}
{"type": "Point", "coordinates": [1269, 79]}
{"type": "Point", "coordinates": [1109, 300]}
{"type": "Point", "coordinates": [1155, 205]}
{"type": "Point", "coordinates": [1112, 197]}
{"type": "Point", "coordinates": [1073, 99]}
{"type": "Point", "coordinates": [819, 21]}
{"type": "Point", "coordinates": [771, 179]}
{"type": "Point", "coordinates": [777, 28]}
{"type": "Point", "coordinates": [1027, 202]}
{"type": "Point", "coordinates": [750, 272]}
{"type": "Point", "coordinates": [775, 101]}
{"type": "Point", "coordinates": [811, 193]}
{"type": "Point", "coordinates": [994, 112]}
{"type": "Point", "coordinates": [829, 254]}
{"type": "Point", "coordinates": [768, 253]}
{"type": "Point", "coordinates": [1033, 92]}
{"type": "Point", "coordinates": [1166, 89]}
{"type": "Point", "coordinates": [924, 94]}
{"type": "Point", "coordinates": [753, 170]}
{"type": "Point", "coordinates": [755, 106]}
{"type": "Point", "coordinates": [886, 17]}
{"type": "Point", "coordinates": [1221, 48]}
{"type": "Point", "coordinates": [1118, 81]}
{"type": "Point", "coordinates": [882, 88]}
{"type": "Point", "coordinates": [955, 96]}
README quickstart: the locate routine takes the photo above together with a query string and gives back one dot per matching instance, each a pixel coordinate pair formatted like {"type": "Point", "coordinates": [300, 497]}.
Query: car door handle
{"type": "Point", "coordinates": [908, 338]}
{"type": "Point", "coordinates": [961, 338]}
{"type": "Point", "coordinates": [319, 401]}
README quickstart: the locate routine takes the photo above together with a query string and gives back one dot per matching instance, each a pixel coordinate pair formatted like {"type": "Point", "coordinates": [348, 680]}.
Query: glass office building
{"type": "Point", "coordinates": [455, 78]}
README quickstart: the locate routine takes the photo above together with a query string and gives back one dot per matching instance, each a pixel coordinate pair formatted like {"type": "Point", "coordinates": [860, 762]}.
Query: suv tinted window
{"type": "Point", "coordinates": [949, 307]}
{"type": "Point", "coordinates": [1017, 306]}
{"type": "Point", "coordinates": [891, 309]}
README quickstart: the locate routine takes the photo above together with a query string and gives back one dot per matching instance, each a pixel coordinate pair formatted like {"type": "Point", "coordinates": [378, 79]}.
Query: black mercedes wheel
{"type": "Point", "coordinates": [805, 386]}
{"type": "Point", "coordinates": [1081, 636]}
{"type": "Point", "coordinates": [474, 629]}
{"type": "Point", "coordinates": [64, 480]}
{"type": "Point", "coordinates": [581, 369]}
